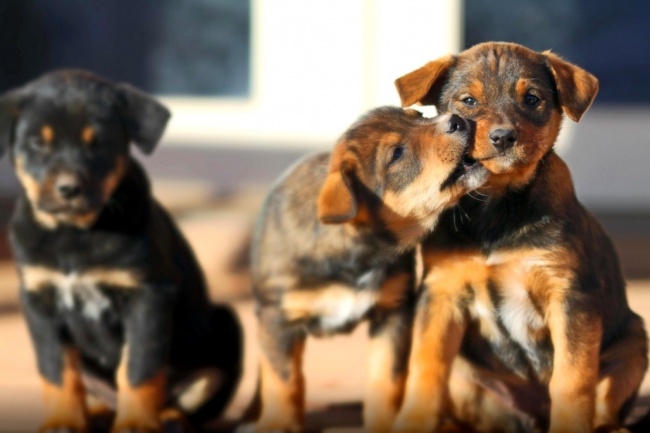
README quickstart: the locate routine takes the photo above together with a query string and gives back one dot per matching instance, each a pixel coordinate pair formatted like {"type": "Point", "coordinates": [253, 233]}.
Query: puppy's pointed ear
{"type": "Point", "coordinates": [576, 88]}
{"type": "Point", "coordinates": [424, 84]}
{"type": "Point", "coordinates": [145, 118]}
{"type": "Point", "coordinates": [337, 203]}
{"type": "Point", "coordinates": [9, 111]}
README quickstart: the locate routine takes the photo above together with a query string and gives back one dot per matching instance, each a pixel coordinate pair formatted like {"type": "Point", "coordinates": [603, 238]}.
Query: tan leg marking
{"type": "Point", "coordinates": [438, 332]}
{"type": "Point", "coordinates": [575, 371]}
{"type": "Point", "coordinates": [624, 365]}
{"type": "Point", "coordinates": [65, 404]}
{"type": "Point", "coordinates": [283, 399]}
{"type": "Point", "coordinates": [138, 407]}
{"type": "Point", "coordinates": [385, 383]}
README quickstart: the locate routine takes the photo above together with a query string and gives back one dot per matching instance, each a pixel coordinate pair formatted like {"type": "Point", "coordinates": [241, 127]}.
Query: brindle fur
{"type": "Point", "coordinates": [522, 290]}
{"type": "Point", "coordinates": [334, 245]}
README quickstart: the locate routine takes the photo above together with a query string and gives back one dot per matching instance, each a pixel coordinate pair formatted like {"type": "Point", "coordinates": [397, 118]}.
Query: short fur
{"type": "Point", "coordinates": [112, 293]}
{"type": "Point", "coordinates": [334, 245]}
{"type": "Point", "coordinates": [522, 322]}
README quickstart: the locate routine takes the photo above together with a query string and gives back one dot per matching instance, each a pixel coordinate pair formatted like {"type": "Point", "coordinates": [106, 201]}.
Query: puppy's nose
{"type": "Point", "coordinates": [503, 138]}
{"type": "Point", "coordinates": [456, 124]}
{"type": "Point", "coordinates": [68, 187]}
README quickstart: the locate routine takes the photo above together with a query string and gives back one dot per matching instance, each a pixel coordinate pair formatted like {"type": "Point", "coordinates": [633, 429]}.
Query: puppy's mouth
{"type": "Point", "coordinates": [463, 171]}
{"type": "Point", "coordinates": [76, 207]}
{"type": "Point", "coordinates": [467, 162]}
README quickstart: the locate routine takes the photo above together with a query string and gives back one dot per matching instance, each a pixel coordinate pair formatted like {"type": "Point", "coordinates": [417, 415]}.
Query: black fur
{"type": "Point", "coordinates": [167, 321]}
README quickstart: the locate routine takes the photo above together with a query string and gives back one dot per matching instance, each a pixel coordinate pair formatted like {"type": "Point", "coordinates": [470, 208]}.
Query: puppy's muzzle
{"type": "Point", "coordinates": [68, 186]}
{"type": "Point", "coordinates": [503, 138]}
{"type": "Point", "coordinates": [456, 124]}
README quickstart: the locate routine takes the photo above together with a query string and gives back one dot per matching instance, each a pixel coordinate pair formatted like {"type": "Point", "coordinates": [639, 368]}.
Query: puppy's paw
{"type": "Point", "coordinates": [135, 427]}
{"type": "Point", "coordinates": [60, 429]}
{"type": "Point", "coordinates": [63, 426]}
{"type": "Point", "coordinates": [260, 427]}
{"type": "Point", "coordinates": [611, 429]}
{"type": "Point", "coordinates": [173, 421]}
{"type": "Point", "coordinates": [416, 425]}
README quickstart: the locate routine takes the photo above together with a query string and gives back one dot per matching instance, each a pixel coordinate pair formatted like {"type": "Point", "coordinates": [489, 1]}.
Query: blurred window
{"type": "Point", "coordinates": [608, 39]}
{"type": "Point", "coordinates": [167, 47]}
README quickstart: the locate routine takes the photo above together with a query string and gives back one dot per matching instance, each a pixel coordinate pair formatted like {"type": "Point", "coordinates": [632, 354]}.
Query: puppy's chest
{"type": "Point", "coordinates": [505, 314]}
{"type": "Point", "coordinates": [506, 297]}
{"type": "Point", "coordinates": [87, 292]}
{"type": "Point", "coordinates": [336, 306]}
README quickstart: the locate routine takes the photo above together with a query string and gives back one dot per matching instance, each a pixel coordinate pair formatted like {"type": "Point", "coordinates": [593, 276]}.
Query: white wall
{"type": "Point", "coordinates": [316, 66]}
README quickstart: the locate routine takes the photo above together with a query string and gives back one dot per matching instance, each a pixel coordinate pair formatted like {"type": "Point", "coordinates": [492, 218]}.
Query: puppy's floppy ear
{"type": "Point", "coordinates": [337, 203]}
{"type": "Point", "coordinates": [144, 117]}
{"type": "Point", "coordinates": [424, 84]}
{"type": "Point", "coordinates": [9, 111]}
{"type": "Point", "coordinates": [576, 88]}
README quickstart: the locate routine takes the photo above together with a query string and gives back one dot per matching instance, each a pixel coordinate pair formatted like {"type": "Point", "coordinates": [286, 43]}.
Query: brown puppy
{"type": "Point", "coordinates": [521, 281]}
{"type": "Point", "coordinates": [335, 245]}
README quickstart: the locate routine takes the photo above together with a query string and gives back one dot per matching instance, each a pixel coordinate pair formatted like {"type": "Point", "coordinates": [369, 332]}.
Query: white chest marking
{"type": "Point", "coordinates": [518, 314]}
{"type": "Point", "coordinates": [334, 306]}
{"type": "Point", "coordinates": [81, 287]}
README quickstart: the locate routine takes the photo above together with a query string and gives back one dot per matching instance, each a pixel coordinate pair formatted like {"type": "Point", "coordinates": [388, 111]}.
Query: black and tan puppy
{"type": "Point", "coordinates": [334, 245]}
{"type": "Point", "coordinates": [111, 291]}
{"type": "Point", "coordinates": [521, 282]}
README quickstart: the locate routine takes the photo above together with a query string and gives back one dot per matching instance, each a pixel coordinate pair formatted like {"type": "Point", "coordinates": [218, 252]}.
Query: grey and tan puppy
{"type": "Point", "coordinates": [334, 245]}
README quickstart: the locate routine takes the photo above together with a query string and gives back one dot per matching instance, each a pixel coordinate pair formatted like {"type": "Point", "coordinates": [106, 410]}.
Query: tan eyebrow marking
{"type": "Point", "coordinates": [47, 133]}
{"type": "Point", "coordinates": [88, 134]}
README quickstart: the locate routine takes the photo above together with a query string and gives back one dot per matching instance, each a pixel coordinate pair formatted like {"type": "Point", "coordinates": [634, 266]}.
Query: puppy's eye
{"type": "Point", "coordinates": [469, 101]}
{"type": "Point", "coordinates": [531, 100]}
{"type": "Point", "coordinates": [398, 153]}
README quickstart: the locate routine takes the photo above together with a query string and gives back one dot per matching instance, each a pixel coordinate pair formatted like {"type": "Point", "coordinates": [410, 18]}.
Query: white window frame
{"type": "Point", "coordinates": [315, 67]}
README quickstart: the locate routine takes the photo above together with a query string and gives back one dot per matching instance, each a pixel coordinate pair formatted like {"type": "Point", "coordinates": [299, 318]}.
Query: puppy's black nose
{"type": "Point", "coordinates": [456, 124]}
{"type": "Point", "coordinates": [503, 138]}
{"type": "Point", "coordinates": [68, 188]}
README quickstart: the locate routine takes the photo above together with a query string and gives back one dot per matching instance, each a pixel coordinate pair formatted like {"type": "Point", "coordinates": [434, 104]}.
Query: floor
{"type": "Point", "coordinates": [219, 227]}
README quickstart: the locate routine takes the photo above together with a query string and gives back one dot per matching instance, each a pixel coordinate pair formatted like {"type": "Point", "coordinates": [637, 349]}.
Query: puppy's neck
{"type": "Point", "coordinates": [392, 238]}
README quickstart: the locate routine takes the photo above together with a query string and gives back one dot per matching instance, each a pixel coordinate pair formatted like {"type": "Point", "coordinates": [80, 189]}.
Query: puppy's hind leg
{"type": "Point", "coordinates": [282, 380]}
{"type": "Point", "coordinates": [623, 365]}
{"type": "Point", "coordinates": [209, 390]}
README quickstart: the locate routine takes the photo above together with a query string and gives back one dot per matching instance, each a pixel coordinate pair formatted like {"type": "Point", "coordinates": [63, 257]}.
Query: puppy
{"type": "Point", "coordinates": [112, 293]}
{"type": "Point", "coordinates": [334, 245]}
{"type": "Point", "coordinates": [523, 322]}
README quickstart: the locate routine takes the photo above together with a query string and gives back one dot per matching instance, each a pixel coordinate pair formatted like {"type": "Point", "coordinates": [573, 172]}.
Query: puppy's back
{"type": "Point", "coordinates": [287, 226]}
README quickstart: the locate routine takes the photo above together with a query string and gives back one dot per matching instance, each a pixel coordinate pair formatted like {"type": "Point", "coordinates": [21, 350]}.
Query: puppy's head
{"type": "Point", "coordinates": [515, 96]}
{"type": "Point", "coordinates": [68, 134]}
{"type": "Point", "coordinates": [397, 170]}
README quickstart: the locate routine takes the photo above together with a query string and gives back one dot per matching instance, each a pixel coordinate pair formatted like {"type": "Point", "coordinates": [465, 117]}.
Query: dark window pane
{"type": "Point", "coordinates": [172, 47]}
{"type": "Point", "coordinates": [609, 39]}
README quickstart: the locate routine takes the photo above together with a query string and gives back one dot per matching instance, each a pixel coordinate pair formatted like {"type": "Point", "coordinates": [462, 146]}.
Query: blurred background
{"type": "Point", "coordinates": [255, 84]}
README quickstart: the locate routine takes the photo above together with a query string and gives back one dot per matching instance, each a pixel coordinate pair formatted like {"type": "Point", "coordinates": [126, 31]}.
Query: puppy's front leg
{"type": "Point", "coordinates": [437, 334]}
{"type": "Point", "coordinates": [141, 376]}
{"type": "Point", "coordinates": [282, 381]}
{"type": "Point", "coordinates": [58, 365]}
{"type": "Point", "coordinates": [390, 343]}
{"type": "Point", "coordinates": [576, 340]}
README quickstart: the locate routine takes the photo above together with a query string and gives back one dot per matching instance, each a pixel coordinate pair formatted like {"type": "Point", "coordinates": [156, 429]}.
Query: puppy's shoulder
{"type": "Point", "coordinates": [299, 186]}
